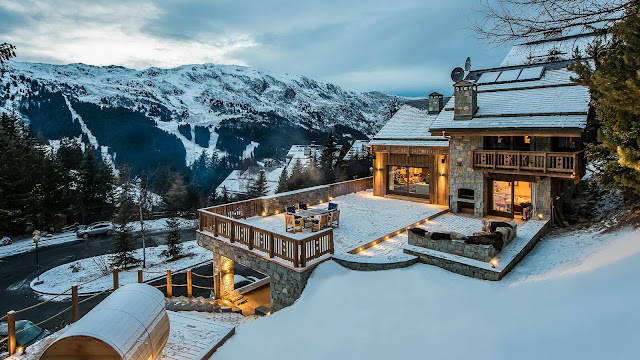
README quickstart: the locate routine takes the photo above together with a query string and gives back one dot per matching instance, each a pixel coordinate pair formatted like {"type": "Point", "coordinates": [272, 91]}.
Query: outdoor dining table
{"type": "Point", "coordinates": [305, 214]}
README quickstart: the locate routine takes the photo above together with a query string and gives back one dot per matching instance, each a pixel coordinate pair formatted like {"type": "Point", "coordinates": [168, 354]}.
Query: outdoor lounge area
{"type": "Point", "coordinates": [364, 218]}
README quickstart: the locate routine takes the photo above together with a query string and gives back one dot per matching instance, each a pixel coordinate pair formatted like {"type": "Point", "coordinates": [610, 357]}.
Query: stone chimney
{"type": "Point", "coordinates": [436, 103]}
{"type": "Point", "coordinates": [466, 100]}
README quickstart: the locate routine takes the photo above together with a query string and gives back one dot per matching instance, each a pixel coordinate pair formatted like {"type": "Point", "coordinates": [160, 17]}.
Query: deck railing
{"type": "Point", "coordinates": [568, 165]}
{"type": "Point", "coordinates": [298, 251]}
{"type": "Point", "coordinates": [351, 186]}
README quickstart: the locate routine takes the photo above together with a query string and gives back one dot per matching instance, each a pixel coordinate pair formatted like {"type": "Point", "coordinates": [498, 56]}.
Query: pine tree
{"type": "Point", "coordinates": [328, 159]}
{"type": "Point", "coordinates": [296, 180]}
{"type": "Point", "coordinates": [123, 240]}
{"type": "Point", "coordinates": [259, 186]}
{"type": "Point", "coordinates": [70, 154]}
{"type": "Point", "coordinates": [174, 247]}
{"type": "Point", "coordinates": [224, 195]}
{"type": "Point", "coordinates": [283, 182]}
{"type": "Point", "coordinates": [95, 183]}
{"type": "Point", "coordinates": [176, 195]}
{"type": "Point", "coordinates": [615, 87]}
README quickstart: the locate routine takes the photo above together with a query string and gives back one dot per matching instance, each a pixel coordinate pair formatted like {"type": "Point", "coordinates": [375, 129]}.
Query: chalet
{"type": "Point", "coordinates": [359, 150]}
{"type": "Point", "coordinates": [408, 160]}
{"type": "Point", "coordinates": [509, 142]}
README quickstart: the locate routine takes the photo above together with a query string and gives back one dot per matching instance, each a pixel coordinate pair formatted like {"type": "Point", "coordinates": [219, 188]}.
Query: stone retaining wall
{"type": "Point", "coordinates": [287, 284]}
{"type": "Point", "coordinates": [359, 263]}
{"type": "Point", "coordinates": [457, 247]}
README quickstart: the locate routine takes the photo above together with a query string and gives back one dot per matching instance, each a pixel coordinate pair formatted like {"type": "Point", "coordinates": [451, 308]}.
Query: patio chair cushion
{"type": "Point", "coordinates": [333, 206]}
{"type": "Point", "coordinates": [302, 206]}
{"type": "Point", "coordinates": [291, 209]}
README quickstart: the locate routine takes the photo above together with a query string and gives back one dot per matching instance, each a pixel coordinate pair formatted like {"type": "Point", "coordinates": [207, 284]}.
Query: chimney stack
{"type": "Point", "coordinates": [466, 100]}
{"type": "Point", "coordinates": [436, 103]}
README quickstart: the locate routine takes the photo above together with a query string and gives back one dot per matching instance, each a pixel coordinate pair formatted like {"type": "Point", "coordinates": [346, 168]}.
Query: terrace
{"type": "Point", "coordinates": [258, 225]}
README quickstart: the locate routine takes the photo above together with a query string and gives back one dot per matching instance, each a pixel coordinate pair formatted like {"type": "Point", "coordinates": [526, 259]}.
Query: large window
{"type": "Point", "coordinates": [409, 181]}
{"type": "Point", "coordinates": [510, 198]}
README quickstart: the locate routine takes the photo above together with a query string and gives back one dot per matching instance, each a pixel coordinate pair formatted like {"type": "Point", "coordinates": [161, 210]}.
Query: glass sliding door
{"type": "Point", "coordinates": [410, 181]}
{"type": "Point", "coordinates": [398, 179]}
{"type": "Point", "coordinates": [502, 196]}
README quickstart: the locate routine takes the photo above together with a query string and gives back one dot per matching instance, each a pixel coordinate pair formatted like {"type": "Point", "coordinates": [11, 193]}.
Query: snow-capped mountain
{"type": "Point", "coordinates": [155, 116]}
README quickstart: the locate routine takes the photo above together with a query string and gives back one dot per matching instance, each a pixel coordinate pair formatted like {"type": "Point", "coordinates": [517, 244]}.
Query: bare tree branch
{"type": "Point", "coordinates": [503, 21]}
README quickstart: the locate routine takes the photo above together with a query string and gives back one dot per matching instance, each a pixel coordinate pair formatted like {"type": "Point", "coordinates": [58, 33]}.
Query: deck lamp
{"type": "Point", "coordinates": [494, 262]}
{"type": "Point", "coordinates": [540, 216]}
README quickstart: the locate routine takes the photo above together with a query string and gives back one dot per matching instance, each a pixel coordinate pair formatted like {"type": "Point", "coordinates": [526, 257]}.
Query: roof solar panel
{"type": "Point", "coordinates": [488, 77]}
{"type": "Point", "coordinates": [532, 73]}
{"type": "Point", "coordinates": [509, 75]}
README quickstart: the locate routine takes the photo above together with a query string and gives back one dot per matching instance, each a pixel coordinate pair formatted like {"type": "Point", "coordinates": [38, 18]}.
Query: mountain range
{"type": "Point", "coordinates": [158, 116]}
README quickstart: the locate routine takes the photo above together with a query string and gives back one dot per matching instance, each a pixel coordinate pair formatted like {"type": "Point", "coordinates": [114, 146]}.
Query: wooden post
{"type": "Point", "coordinates": [75, 314]}
{"type": "Point", "coordinates": [115, 278]}
{"type": "Point", "coordinates": [232, 235]}
{"type": "Point", "coordinates": [216, 286]}
{"type": "Point", "coordinates": [189, 284]}
{"type": "Point", "coordinates": [11, 330]}
{"type": "Point", "coordinates": [271, 247]}
{"type": "Point", "coordinates": [169, 284]}
{"type": "Point", "coordinates": [331, 241]}
{"type": "Point", "coordinates": [140, 279]}
{"type": "Point", "coordinates": [250, 237]}
{"type": "Point", "coordinates": [303, 252]}
{"type": "Point", "coordinates": [296, 257]}
{"type": "Point", "coordinates": [215, 225]}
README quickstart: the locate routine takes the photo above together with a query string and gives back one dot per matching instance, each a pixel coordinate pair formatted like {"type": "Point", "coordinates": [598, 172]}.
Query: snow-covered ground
{"type": "Point", "coordinates": [59, 279]}
{"type": "Point", "coordinates": [27, 245]}
{"type": "Point", "coordinates": [575, 296]}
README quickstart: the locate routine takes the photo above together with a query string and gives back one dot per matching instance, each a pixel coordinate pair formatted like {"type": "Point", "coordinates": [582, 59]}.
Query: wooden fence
{"type": "Point", "coordinates": [351, 186]}
{"type": "Point", "coordinates": [297, 251]}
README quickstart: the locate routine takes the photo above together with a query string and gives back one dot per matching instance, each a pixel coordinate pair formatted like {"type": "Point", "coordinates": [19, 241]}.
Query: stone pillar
{"type": "Point", "coordinates": [544, 198]}
{"type": "Point", "coordinates": [226, 277]}
{"type": "Point", "coordinates": [462, 174]}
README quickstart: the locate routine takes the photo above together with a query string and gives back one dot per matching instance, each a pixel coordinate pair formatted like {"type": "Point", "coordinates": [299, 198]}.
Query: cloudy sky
{"type": "Point", "coordinates": [405, 47]}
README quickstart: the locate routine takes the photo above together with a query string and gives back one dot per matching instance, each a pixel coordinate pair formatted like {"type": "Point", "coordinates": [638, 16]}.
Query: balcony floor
{"type": "Point", "coordinates": [363, 219]}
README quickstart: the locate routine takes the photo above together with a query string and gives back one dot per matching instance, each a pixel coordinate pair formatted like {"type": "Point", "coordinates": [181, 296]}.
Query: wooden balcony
{"type": "Point", "coordinates": [568, 165]}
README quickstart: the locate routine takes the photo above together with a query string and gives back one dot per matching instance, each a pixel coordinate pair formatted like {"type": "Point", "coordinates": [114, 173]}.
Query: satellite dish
{"type": "Point", "coordinates": [467, 65]}
{"type": "Point", "coordinates": [457, 74]}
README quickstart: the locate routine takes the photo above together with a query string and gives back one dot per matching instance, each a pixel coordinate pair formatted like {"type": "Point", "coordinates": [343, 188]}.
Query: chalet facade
{"type": "Point", "coordinates": [407, 159]}
{"type": "Point", "coordinates": [509, 142]}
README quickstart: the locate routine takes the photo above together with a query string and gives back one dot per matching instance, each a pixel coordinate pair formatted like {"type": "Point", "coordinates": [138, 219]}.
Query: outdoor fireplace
{"type": "Point", "coordinates": [466, 201]}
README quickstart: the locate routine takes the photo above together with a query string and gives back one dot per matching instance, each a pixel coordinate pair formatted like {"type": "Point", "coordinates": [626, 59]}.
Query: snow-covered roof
{"type": "Point", "coordinates": [409, 126]}
{"type": "Point", "coordinates": [539, 51]}
{"type": "Point", "coordinates": [358, 149]}
{"type": "Point", "coordinates": [551, 102]}
{"type": "Point", "coordinates": [239, 182]}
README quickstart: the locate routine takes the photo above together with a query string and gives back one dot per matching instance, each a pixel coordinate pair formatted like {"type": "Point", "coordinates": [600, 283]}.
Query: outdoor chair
{"type": "Point", "coordinates": [291, 209]}
{"type": "Point", "coordinates": [320, 223]}
{"type": "Point", "coordinates": [291, 222]}
{"type": "Point", "coordinates": [333, 206]}
{"type": "Point", "coordinates": [302, 206]}
{"type": "Point", "coordinates": [334, 218]}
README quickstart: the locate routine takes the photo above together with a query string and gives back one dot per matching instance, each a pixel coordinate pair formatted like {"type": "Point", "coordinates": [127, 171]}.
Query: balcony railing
{"type": "Point", "coordinates": [556, 164]}
{"type": "Point", "coordinates": [297, 251]}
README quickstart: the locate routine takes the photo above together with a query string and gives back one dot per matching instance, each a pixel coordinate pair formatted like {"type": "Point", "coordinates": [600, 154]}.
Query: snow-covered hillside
{"type": "Point", "coordinates": [575, 296]}
{"type": "Point", "coordinates": [205, 108]}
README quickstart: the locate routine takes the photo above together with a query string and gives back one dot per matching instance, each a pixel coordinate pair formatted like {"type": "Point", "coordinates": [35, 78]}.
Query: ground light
{"type": "Point", "coordinates": [540, 216]}
{"type": "Point", "coordinates": [494, 262]}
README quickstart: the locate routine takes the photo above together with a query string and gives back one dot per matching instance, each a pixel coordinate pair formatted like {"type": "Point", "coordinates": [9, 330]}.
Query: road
{"type": "Point", "coordinates": [16, 273]}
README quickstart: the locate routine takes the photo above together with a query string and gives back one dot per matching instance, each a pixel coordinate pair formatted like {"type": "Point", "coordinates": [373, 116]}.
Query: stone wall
{"type": "Point", "coordinates": [287, 284]}
{"type": "Point", "coordinates": [279, 202]}
{"type": "Point", "coordinates": [365, 263]}
{"type": "Point", "coordinates": [457, 247]}
{"type": "Point", "coordinates": [544, 198]}
{"type": "Point", "coordinates": [462, 174]}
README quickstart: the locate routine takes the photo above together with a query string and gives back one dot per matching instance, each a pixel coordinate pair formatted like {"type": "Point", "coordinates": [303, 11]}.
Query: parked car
{"type": "Point", "coordinates": [31, 334]}
{"type": "Point", "coordinates": [5, 240]}
{"type": "Point", "coordinates": [97, 228]}
{"type": "Point", "coordinates": [241, 281]}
